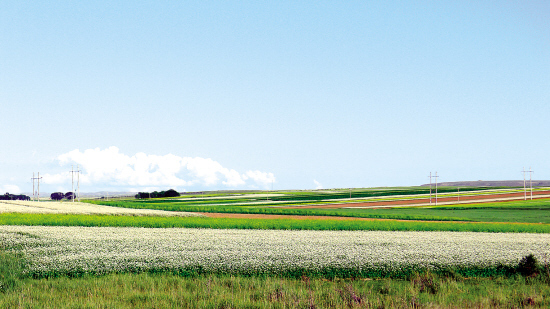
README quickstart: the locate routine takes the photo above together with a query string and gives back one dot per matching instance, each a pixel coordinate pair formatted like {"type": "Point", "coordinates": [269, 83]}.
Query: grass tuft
{"type": "Point", "coordinates": [11, 269]}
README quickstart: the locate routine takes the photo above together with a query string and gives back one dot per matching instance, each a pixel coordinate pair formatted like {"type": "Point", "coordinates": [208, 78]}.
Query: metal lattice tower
{"type": "Point", "coordinates": [72, 171]}
{"type": "Point", "coordinates": [436, 188]}
{"type": "Point", "coordinates": [430, 188]}
{"type": "Point", "coordinates": [531, 181]}
{"type": "Point", "coordinates": [33, 192]}
{"type": "Point", "coordinates": [524, 189]}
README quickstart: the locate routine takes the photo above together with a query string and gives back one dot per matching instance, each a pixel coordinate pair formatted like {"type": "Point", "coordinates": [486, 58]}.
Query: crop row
{"type": "Point", "coordinates": [168, 206]}
{"type": "Point", "coordinates": [266, 224]}
{"type": "Point", "coordinates": [54, 251]}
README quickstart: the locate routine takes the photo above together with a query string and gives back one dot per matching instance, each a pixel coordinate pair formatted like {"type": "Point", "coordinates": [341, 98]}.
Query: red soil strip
{"type": "Point", "coordinates": [476, 198]}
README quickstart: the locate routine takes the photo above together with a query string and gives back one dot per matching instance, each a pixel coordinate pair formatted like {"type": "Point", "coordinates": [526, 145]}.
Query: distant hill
{"type": "Point", "coordinates": [492, 183]}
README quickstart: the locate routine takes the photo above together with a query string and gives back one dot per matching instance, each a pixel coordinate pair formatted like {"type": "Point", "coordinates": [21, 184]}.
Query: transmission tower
{"type": "Point", "coordinates": [524, 187]}
{"type": "Point", "coordinates": [430, 188]}
{"type": "Point", "coordinates": [436, 188]}
{"type": "Point", "coordinates": [531, 181]}
{"type": "Point", "coordinates": [33, 192]}
{"type": "Point", "coordinates": [72, 171]}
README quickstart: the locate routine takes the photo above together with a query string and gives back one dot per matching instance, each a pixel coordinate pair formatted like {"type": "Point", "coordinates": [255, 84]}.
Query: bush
{"type": "Point", "coordinates": [156, 194]}
{"type": "Point", "coordinates": [141, 195]}
{"type": "Point", "coordinates": [9, 197]}
{"type": "Point", "coordinates": [69, 195]}
{"type": "Point", "coordinates": [528, 266]}
{"type": "Point", "coordinates": [56, 196]}
{"type": "Point", "coordinates": [171, 193]}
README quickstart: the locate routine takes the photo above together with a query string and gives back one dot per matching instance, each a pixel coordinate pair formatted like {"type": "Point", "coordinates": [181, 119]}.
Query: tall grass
{"type": "Point", "coordinates": [277, 224]}
{"type": "Point", "coordinates": [11, 268]}
{"type": "Point", "coordinates": [170, 291]}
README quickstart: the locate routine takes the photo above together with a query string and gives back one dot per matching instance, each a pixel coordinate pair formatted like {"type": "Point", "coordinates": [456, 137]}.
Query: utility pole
{"type": "Point", "coordinates": [72, 181]}
{"type": "Point", "coordinates": [33, 186]}
{"type": "Point", "coordinates": [531, 181]}
{"type": "Point", "coordinates": [436, 188]}
{"type": "Point", "coordinates": [78, 181]}
{"type": "Point", "coordinates": [431, 188]}
{"type": "Point", "coordinates": [524, 187]}
{"type": "Point", "coordinates": [33, 192]}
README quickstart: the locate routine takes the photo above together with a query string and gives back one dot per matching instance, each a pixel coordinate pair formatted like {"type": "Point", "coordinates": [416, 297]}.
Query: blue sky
{"type": "Point", "coordinates": [207, 95]}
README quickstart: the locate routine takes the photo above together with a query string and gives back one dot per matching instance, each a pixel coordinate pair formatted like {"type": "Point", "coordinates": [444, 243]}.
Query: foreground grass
{"type": "Point", "coordinates": [169, 291]}
{"type": "Point", "coordinates": [276, 224]}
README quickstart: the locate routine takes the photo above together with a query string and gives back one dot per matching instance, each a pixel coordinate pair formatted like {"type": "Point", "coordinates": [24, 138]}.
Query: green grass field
{"type": "Point", "coordinates": [278, 224]}
{"type": "Point", "coordinates": [535, 211]}
{"type": "Point", "coordinates": [170, 291]}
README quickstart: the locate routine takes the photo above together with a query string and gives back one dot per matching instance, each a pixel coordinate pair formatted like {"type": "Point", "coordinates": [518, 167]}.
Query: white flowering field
{"type": "Point", "coordinates": [52, 251]}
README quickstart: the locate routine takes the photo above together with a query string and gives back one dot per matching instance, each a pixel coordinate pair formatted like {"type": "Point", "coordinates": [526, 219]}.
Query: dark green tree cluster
{"type": "Point", "coordinates": [20, 197]}
{"type": "Point", "coordinates": [156, 194]}
{"type": "Point", "coordinates": [57, 196]}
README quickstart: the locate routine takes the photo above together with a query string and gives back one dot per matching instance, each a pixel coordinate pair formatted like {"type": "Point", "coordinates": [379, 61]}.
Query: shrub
{"type": "Point", "coordinates": [57, 196]}
{"type": "Point", "coordinates": [528, 266]}
{"type": "Point", "coordinates": [69, 195]}
{"type": "Point", "coordinates": [171, 193]}
{"type": "Point", "coordinates": [426, 283]}
{"type": "Point", "coordinates": [156, 194]}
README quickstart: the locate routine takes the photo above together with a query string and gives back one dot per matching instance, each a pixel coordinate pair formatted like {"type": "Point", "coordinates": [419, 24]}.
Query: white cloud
{"type": "Point", "coordinates": [318, 185]}
{"type": "Point", "coordinates": [262, 178]}
{"type": "Point", "coordinates": [12, 189]}
{"type": "Point", "coordinates": [110, 168]}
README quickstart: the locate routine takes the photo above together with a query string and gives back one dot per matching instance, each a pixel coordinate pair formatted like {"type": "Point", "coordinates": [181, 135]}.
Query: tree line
{"type": "Point", "coordinates": [57, 196]}
{"type": "Point", "coordinates": [156, 194]}
{"type": "Point", "coordinates": [20, 197]}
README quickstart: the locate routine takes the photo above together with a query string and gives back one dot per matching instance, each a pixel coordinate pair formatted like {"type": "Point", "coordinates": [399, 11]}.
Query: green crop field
{"type": "Point", "coordinates": [535, 211]}
{"type": "Point", "coordinates": [274, 224]}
